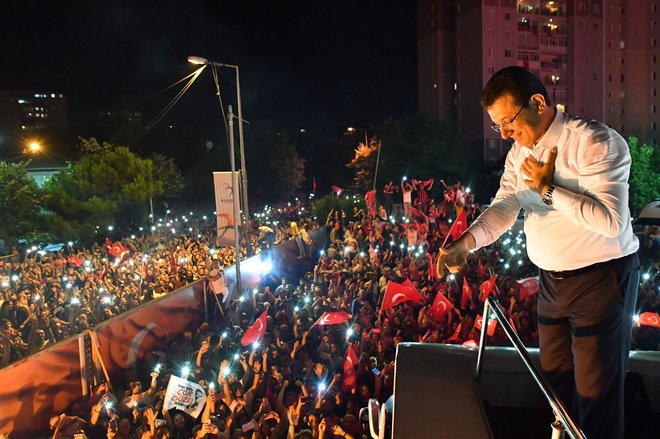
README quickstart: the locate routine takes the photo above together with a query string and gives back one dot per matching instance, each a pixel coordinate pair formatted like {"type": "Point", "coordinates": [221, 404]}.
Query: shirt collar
{"type": "Point", "coordinates": [550, 138]}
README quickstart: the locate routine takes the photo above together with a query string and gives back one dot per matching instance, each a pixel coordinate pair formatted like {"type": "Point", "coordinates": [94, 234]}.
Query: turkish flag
{"type": "Point", "coordinates": [467, 294]}
{"type": "Point", "coordinates": [441, 306]}
{"type": "Point", "coordinates": [313, 185]}
{"type": "Point", "coordinates": [349, 379]}
{"type": "Point", "coordinates": [337, 190]}
{"type": "Point", "coordinates": [456, 333]}
{"type": "Point", "coordinates": [76, 262]}
{"type": "Point", "coordinates": [458, 228]}
{"type": "Point", "coordinates": [332, 318]}
{"type": "Point", "coordinates": [118, 251]}
{"type": "Point", "coordinates": [649, 319]}
{"type": "Point", "coordinates": [107, 244]}
{"type": "Point", "coordinates": [481, 270]}
{"type": "Point", "coordinates": [256, 331]}
{"type": "Point", "coordinates": [486, 288]}
{"type": "Point", "coordinates": [398, 293]}
{"type": "Point", "coordinates": [528, 287]}
{"type": "Point", "coordinates": [492, 324]}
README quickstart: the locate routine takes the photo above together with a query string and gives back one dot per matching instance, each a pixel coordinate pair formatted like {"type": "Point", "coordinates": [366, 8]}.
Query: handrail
{"type": "Point", "coordinates": [561, 414]}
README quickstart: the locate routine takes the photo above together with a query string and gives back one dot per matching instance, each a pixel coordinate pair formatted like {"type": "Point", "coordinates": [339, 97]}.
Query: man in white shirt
{"type": "Point", "coordinates": [570, 175]}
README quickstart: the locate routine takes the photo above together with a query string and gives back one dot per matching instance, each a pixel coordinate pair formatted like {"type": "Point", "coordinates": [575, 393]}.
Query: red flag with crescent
{"type": "Point", "coordinates": [256, 331]}
{"type": "Point", "coordinates": [492, 324]}
{"type": "Point", "coordinates": [487, 288]}
{"type": "Point", "coordinates": [332, 318]}
{"type": "Point", "coordinates": [649, 319]}
{"type": "Point", "coordinates": [441, 306]}
{"type": "Point", "coordinates": [118, 251]}
{"type": "Point", "coordinates": [456, 333]}
{"type": "Point", "coordinates": [398, 293]}
{"type": "Point", "coordinates": [458, 228]}
{"type": "Point", "coordinates": [466, 294]}
{"type": "Point", "coordinates": [528, 287]}
{"type": "Point", "coordinates": [337, 190]}
{"type": "Point", "coordinates": [349, 379]}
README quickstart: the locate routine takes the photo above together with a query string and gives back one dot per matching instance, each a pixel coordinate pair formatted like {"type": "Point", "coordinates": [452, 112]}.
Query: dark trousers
{"type": "Point", "coordinates": [585, 324]}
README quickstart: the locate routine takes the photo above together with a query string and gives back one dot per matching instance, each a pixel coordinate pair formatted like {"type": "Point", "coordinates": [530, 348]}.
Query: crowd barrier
{"type": "Point", "coordinates": [49, 382]}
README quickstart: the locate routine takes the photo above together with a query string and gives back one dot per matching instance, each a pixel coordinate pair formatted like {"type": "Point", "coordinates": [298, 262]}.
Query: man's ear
{"type": "Point", "coordinates": [538, 101]}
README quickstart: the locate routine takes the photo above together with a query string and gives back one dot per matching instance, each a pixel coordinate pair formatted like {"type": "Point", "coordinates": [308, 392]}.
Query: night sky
{"type": "Point", "coordinates": [310, 64]}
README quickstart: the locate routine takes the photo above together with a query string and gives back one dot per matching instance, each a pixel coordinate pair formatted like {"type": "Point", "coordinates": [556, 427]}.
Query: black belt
{"type": "Point", "coordinates": [571, 273]}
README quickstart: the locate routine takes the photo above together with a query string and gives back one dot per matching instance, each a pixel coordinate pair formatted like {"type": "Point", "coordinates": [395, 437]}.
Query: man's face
{"type": "Point", "coordinates": [525, 129]}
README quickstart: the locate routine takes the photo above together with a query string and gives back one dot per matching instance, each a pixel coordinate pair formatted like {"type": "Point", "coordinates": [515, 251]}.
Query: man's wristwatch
{"type": "Point", "coordinates": [547, 197]}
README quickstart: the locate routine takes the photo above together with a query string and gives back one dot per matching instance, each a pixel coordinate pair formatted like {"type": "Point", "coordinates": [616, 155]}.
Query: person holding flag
{"type": "Point", "coordinates": [571, 177]}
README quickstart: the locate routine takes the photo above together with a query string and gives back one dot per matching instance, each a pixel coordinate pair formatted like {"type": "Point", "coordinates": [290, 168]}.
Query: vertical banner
{"type": "Point", "coordinates": [86, 362]}
{"type": "Point", "coordinates": [224, 206]}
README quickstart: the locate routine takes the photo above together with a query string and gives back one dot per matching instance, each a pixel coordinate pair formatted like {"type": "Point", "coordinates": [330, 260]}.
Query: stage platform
{"type": "Point", "coordinates": [436, 394]}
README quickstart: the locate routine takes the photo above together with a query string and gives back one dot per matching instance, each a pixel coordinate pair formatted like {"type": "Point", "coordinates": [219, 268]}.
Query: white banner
{"type": "Point", "coordinates": [185, 395]}
{"type": "Point", "coordinates": [224, 206]}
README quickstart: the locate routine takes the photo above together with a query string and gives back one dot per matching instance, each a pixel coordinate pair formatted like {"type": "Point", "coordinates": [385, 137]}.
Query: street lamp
{"type": "Point", "coordinates": [34, 147]}
{"type": "Point", "coordinates": [366, 133]}
{"type": "Point", "coordinates": [198, 60]}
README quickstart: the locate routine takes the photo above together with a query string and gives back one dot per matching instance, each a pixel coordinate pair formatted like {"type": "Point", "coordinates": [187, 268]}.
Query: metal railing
{"type": "Point", "coordinates": [563, 421]}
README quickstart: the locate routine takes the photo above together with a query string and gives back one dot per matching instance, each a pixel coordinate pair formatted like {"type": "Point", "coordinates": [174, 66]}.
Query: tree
{"type": "Point", "coordinates": [364, 164]}
{"type": "Point", "coordinates": [20, 202]}
{"type": "Point", "coordinates": [166, 171]}
{"type": "Point", "coordinates": [419, 146]}
{"type": "Point", "coordinates": [109, 185]}
{"type": "Point", "coordinates": [644, 175]}
{"type": "Point", "coordinates": [275, 171]}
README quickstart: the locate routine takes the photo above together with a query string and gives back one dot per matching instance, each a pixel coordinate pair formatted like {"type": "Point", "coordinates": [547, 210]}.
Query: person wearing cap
{"type": "Point", "coordinates": [570, 175]}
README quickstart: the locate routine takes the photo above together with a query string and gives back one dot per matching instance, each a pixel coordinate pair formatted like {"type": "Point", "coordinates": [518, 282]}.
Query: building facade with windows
{"type": "Point", "coordinates": [596, 58]}
{"type": "Point", "coordinates": [26, 113]}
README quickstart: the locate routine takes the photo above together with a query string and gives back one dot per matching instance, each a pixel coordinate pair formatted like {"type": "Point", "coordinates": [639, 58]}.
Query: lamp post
{"type": "Point", "coordinates": [244, 191]}
{"type": "Point", "coordinates": [366, 133]}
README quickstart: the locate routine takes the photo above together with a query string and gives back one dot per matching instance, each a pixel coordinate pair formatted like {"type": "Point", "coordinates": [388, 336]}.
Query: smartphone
{"type": "Point", "coordinates": [306, 399]}
{"type": "Point", "coordinates": [376, 371]}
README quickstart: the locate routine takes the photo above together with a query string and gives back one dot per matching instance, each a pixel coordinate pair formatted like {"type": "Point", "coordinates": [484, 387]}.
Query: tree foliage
{"type": "Point", "coordinates": [277, 170]}
{"type": "Point", "coordinates": [20, 202]}
{"type": "Point", "coordinates": [323, 205]}
{"type": "Point", "coordinates": [364, 164]}
{"type": "Point", "coordinates": [644, 174]}
{"type": "Point", "coordinates": [419, 146]}
{"type": "Point", "coordinates": [168, 173]}
{"type": "Point", "coordinates": [108, 185]}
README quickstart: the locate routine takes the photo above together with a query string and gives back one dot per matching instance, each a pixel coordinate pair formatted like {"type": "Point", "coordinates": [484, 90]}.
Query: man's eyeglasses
{"type": "Point", "coordinates": [498, 128]}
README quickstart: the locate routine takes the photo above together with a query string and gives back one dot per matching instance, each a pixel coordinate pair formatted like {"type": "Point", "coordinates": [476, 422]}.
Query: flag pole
{"type": "Point", "coordinates": [377, 161]}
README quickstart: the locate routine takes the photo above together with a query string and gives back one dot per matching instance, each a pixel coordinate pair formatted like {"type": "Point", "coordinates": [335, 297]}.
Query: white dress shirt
{"type": "Point", "coordinates": [589, 220]}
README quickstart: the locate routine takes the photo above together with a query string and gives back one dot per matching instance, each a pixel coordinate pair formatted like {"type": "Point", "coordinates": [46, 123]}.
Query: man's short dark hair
{"type": "Point", "coordinates": [519, 82]}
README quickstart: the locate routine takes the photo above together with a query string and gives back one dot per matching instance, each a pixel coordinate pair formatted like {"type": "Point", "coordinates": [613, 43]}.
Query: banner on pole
{"type": "Point", "coordinates": [224, 206]}
{"type": "Point", "coordinates": [185, 395]}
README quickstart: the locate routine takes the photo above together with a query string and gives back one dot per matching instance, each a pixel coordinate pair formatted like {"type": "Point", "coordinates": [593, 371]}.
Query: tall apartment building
{"type": "Point", "coordinates": [26, 113]}
{"type": "Point", "coordinates": [596, 58]}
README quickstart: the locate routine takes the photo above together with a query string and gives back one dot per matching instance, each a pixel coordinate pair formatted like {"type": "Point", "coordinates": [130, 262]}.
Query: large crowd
{"type": "Point", "coordinates": [52, 292]}
{"type": "Point", "coordinates": [301, 379]}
